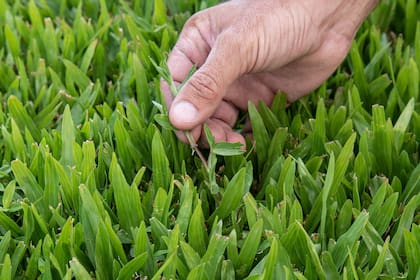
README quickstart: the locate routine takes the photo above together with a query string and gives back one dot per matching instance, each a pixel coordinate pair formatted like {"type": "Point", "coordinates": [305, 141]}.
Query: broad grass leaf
{"type": "Point", "coordinates": [76, 75]}
{"type": "Point", "coordinates": [12, 41]}
{"type": "Point", "coordinates": [124, 147]}
{"type": "Point", "coordinates": [214, 255]}
{"type": "Point", "coordinates": [413, 185]}
{"type": "Point", "coordinates": [21, 116]}
{"type": "Point", "coordinates": [17, 257]}
{"type": "Point", "coordinates": [159, 231]}
{"type": "Point", "coordinates": [159, 205]}
{"type": "Point", "coordinates": [309, 190]}
{"type": "Point", "coordinates": [40, 220]}
{"type": "Point", "coordinates": [251, 209]}
{"type": "Point", "coordinates": [296, 213]}
{"type": "Point", "coordinates": [68, 137]}
{"type": "Point", "coordinates": [249, 248]}
{"type": "Point", "coordinates": [32, 265]}
{"type": "Point", "coordinates": [417, 45]}
{"type": "Point", "coordinates": [186, 203]}
{"type": "Point", "coordinates": [163, 121]}
{"type": "Point", "coordinates": [271, 261]}
{"type": "Point", "coordinates": [199, 272]}
{"type": "Point", "coordinates": [413, 85]}
{"type": "Point", "coordinates": [402, 123]}
{"type": "Point", "coordinates": [342, 163]}
{"type": "Point", "coordinates": [379, 86]}
{"type": "Point", "coordinates": [227, 271]}
{"type": "Point", "coordinates": [371, 69]}
{"type": "Point", "coordinates": [103, 254]}
{"type": "Point", "coordinates": [51, 191]}
{"type": "Point", "coordinates": [269, 118]}
{"type": "Point", "coordinates": [412, 251]}
{"type": "Point", "coordinates": [325, 195]}
{"type": "Point", "coordinates": [90, 219]}
{"type": "Point", "coordinates": [35, 16]}
{"type": "Point", "coordinates": [373, 241]}
{"type": "Point", "coordinates": [169, 260]}
{"type": "Point", "coordinates": [8, 194]}
{"type": "Point", "coordinates": [358, 70]}
{"type": "Point", "coordinates": [232, 195]}
{"type": "Point", "coordinates": [6, 270]}
{"type": "Point", "coordinates": [318, 136]}
{"type": "Point", "coordinates": [68, 192]}
{"type": "Point", "coordinates": [377, 268]}
{"type": "Point", "coordinates": [168, 203]}
{"type": "Point", "coordinates": [87, 57]}
{"type": "Point", "coordinates": [382, 217]}
{"type": "Point", "coordinates": [4, 245]}
{"type": "Point", "coordinates": [232, 248]}
{"type": "Point", "coordinates": [361, 170]}
{"type": "Point", "coordinates": [227, 149]}
{"type": "Point", "coordinates": [172, 244]}
{"type": "Point", "coordinates": [405, 222]}
{"type": "Point", "coordinates": [127, 198]}
{"type": "Point", "coordinates": [63, 244]}
{"type": "Point", "coordinates": [80, 272]}
{"type": "Point", "coordinates": [285, 184]}
{"type": "Point", "coordinates": [192, 258]}
{"type": "Point", "coordinates": [161, 172]}
{"type": "Point", "coordinates": [299, 247]}
{"type": "Point", "coordinates": [344, 218]}
{"type": "Point", "coordinates": [159, 14]}
{"type": "Point", "coordinates": [260, 133]}
{"type": "Point", "coordinates": [410, 20]}
{"type": "Point", "coordinates": [337, 121]}
{"type": "Point", "coordinates": [197, 233]}
{"type": "Point", "coordinates": [27, 181]}
{"type": "Point", "coordinates": [48, 114]}
{"type": "Point", "coordinates": [276, 148]}
{"type": "Point", "coordinates": [348, 239]}
{"type": "Point", "coordinates": [18, 142]}
{"type": "Point", "coordinates": [142, 245]}
{"type": "Point", "coordinates": [142, 87]}
{"type": "Point", "coordinates": [133, 266]}
{"type": "Point", "coordinates": [328, 265]}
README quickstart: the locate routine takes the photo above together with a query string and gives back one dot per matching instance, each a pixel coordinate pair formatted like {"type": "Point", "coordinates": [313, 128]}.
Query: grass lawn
{"type": "Point", "coordinates": [94, 184]}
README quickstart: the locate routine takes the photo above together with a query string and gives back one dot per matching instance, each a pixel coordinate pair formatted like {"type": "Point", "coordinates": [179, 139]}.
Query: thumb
{"type": "Point", "coordinates": [203, 92]}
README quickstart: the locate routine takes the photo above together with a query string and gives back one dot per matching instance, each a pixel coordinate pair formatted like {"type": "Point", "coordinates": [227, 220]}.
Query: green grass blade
{"type": "Point", "coordinates": [347, 240]}
{"type": "Point", "coordinates": [6, 270]}
{"type": "Point", "coordinates": [127, 198]}
{"type": "Point", "coordinates": [250, 247]}
{"type": "Point", "coordinates": [129, 269]}
{"type": "Point", "coordinates": [103, 254]}
{"type": "Point", "coordinates": [161, 172]}
{"type": "Point", "coordinates": [233, 194]}
{"type": "Point", "coordinates": [262, 140]}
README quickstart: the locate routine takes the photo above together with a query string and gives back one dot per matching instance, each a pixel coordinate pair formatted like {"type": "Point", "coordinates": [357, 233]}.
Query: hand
{"type": "Point", "coordinates": [248, 50]}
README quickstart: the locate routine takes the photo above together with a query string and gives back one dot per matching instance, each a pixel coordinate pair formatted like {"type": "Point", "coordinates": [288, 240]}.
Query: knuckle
{"type": "Point", "coordinates": [205, 86]}
{"type": "Point", "coordinates": [196, 21]}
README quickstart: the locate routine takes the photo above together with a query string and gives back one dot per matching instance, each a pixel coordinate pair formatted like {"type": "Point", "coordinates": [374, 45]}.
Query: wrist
{"type": "Point", "coordinates": [344, 16]}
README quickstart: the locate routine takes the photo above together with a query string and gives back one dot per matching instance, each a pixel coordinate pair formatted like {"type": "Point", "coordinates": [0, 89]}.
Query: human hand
{"type": "Point", "coordinates": [248, 50]}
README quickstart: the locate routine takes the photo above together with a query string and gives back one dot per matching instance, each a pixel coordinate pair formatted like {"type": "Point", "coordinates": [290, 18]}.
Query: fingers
{"type": "Point", "coordinates": [191, 49]}
{"type": "Point", "coordinates": [204, 91]}
{"type": "Point", "coordinates": [250, 88]}
{"type": "Point", "coordinates": [226, 113]}
{"type": "Point", "coordinates": [223, 133]}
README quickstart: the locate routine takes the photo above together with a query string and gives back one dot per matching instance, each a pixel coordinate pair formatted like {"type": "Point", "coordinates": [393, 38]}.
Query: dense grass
{"type": "Point", "coordinates": [94, 184]}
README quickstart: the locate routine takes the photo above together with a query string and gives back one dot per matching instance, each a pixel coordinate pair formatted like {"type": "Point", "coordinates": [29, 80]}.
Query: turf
{"type": "Point", "coordinates": [94, 184]}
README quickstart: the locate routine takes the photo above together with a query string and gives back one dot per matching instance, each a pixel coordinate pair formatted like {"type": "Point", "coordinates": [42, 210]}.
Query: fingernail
{"type": "Point", "coordinates": [184, 112]}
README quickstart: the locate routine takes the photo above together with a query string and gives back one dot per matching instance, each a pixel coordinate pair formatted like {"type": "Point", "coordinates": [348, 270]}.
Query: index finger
{"type": "Point", "coordinates": [192, 48]}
